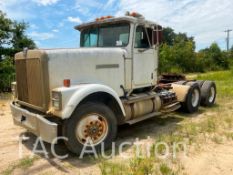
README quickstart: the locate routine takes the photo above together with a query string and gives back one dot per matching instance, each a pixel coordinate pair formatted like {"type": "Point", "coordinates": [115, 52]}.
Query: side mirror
{"type": "Point", "coordinates": [157, 35]}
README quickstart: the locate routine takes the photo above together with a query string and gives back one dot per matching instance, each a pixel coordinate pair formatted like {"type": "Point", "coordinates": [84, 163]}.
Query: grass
{"type": "Point", "coordinates": [141, 166]}
{"type": "Point", "coordinates": [166, 170]}
{"type": "Point", "coordinates": [217, 139]}
{"type": "Point", "coordinates": [223, 81]}
{"type": "Point", "coordinates": [229, 135]}
{"type": "Point", "coordinates": [229, 122]}
{"type": "Point", "coordinates": [5, 96]}
{"type": "Point", "coordinates": [107, 167]}
{"type": "Point", "coordinates": [136, 166]}
{"type": "Point", "coordinates": [23, 163]}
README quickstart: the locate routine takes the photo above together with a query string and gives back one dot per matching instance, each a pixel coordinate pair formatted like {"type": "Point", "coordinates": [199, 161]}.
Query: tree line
{"type": "Point", "coordinates": [12, 40]}
{"type": "Point", "coordinates": [177, 52]}
{"type": "Point", "coordinates": [178, 55]}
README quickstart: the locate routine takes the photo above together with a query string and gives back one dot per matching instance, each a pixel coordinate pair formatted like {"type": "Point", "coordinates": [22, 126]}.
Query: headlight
{"type": "Point", "coordinates": [57, 100]}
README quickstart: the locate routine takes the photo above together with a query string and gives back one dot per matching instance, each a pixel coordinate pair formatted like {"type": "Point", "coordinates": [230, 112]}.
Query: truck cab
{"type": "Point", "coordinates": [84, 93]}
{"type": "Point", "coordinates": [136, 37]}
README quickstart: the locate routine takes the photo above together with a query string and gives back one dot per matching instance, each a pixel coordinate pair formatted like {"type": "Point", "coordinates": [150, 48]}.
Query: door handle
{"type": "Point", "coordinates": [143, 50]}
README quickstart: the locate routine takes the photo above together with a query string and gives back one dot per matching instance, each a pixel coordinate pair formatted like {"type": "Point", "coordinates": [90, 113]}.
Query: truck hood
{"type": "Point", "coordinates": [38, 72]}
{"type": "Point", "coordinates": [84, 65]}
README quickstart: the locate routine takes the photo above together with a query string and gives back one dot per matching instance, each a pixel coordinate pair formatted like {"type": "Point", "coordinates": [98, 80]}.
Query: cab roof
{"type": "Point", "coordinates": [112, 20]}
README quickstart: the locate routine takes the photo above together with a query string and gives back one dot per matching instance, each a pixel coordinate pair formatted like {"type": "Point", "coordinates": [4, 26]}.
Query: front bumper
{"type": "Point", "coordinates": [35, 123]}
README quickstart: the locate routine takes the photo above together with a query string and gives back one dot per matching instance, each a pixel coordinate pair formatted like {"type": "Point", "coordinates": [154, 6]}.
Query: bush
{"type": "Point", "coordinates": [7, 74]}
{"type": "Point", "coordinates": [178, 58]}
{"type": "Point", "coordinates": [182, 58]}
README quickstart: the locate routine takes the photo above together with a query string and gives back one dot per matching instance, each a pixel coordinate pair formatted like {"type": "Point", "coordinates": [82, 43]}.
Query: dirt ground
{"type": "Point", "coordinates": [211, 159]}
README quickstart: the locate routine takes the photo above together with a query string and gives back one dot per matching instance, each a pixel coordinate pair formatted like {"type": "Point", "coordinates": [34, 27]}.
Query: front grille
{"type": "Point", "coordinates": [30, 81]}
{"type": "Point", "coordinates": [21, 78]}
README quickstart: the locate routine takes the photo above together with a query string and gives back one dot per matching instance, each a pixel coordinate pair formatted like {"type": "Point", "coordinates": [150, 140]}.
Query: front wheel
{"type": "Point", "coordinates": [91, 124]}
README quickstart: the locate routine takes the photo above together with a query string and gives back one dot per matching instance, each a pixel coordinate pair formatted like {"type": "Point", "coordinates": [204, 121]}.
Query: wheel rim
{"type": "Point", "coordinates": [212, 94]}
{"type": "Point", "coordinates": [195, 98]}
{"type": "Point", "coordinates": [92, 129]}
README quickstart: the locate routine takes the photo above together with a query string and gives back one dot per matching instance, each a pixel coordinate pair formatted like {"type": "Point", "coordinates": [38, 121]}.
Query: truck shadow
{"type": "Point", "coordinates": [126, 133]}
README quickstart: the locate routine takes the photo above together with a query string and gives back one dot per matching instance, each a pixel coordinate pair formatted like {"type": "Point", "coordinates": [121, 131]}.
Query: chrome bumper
{"type": "Point", "coordinates": [35, 123]}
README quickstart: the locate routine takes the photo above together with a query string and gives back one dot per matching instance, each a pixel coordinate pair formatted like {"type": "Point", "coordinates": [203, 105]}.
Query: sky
{"type": "Point", "coordinates": [51, 22]}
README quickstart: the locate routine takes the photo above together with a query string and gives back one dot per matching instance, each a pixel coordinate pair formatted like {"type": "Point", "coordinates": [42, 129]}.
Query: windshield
{"type": "Point", "coordinates": [115, 35]}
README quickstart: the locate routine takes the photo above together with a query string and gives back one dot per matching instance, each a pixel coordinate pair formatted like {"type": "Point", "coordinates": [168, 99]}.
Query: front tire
{"type": "Point", "coordinates": [92, 124]}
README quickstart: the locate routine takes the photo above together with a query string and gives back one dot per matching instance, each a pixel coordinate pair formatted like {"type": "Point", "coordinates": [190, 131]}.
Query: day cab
{"type": "Point", "coordinates": [84, 93]}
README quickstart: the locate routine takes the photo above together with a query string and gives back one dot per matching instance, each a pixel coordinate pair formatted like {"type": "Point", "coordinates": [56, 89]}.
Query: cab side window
{"type": "Point", "coordinates": [89, 38]}
{"type": "Point", "coordinates": [141, 39]}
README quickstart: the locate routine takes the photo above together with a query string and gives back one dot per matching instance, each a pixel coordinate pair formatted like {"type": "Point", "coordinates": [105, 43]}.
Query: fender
{"type": "Point", "coordinates": [71, 97]}
{"type": "Point", "coordinates": [181, 91]}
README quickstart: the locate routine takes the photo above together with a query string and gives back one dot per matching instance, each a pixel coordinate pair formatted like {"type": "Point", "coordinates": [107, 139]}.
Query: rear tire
{"type": "Point", "coordinates": [93, 122]}
{"type": "Point", "coordinates": [200, 83]}
{"type": "Point", "coordinates": [193, 98]}
{"type": "Point", "coordinates": [208, 93]}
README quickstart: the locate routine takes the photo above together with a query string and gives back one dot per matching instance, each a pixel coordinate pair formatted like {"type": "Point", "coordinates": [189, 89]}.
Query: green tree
{"type": "Point", "coordinates": [168, 36]}
{"type": "Point", "coordinates": [5, 30]}
{"type": "Point", "coordinates": [12, 40]}
{"type": "Point", "coordinates": [7, 74]}
{"type": "Point", "coordinates": [19, 39]}
{"type": "Point", "coordinates": [177, 53]}
{"type": "Point", "coordinates": [215, 53]}
{"type": "Point", "coordinates": [177, 58]}
{"type": "Point", "coordinates": [231, 56]}
{"type": "Point", "coordinates": [12, 36]}
{"type": "Point", "coordinates": [214, 58]}
{"type": "Point", "coordinates": [207, 62]}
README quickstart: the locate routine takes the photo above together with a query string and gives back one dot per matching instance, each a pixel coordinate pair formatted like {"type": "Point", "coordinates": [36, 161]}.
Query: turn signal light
{"type": "Point", "coordinates": [66, 83]}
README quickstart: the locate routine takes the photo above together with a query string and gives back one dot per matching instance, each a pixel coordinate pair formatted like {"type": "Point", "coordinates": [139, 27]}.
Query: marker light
{"type": "Point", "coordinates": [134, 14]}
{"type": "Point", "coordinates": [107, 17]}
{"type": "Point", "coordinates": [103, 18]}
{"type": "Point", "coordinates": [66, 83]}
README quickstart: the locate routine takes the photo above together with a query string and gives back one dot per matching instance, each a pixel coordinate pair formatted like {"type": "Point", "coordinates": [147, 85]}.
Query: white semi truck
{"type": "Point", "coordinates": [85, 93]}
